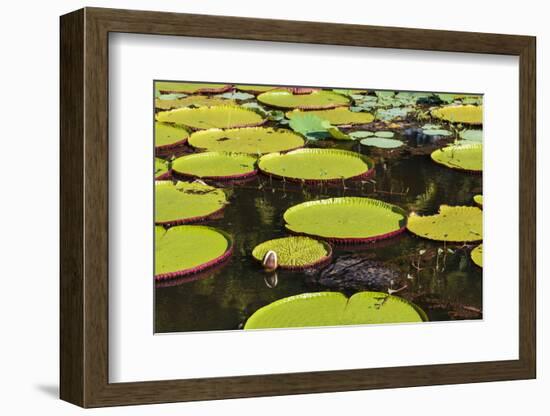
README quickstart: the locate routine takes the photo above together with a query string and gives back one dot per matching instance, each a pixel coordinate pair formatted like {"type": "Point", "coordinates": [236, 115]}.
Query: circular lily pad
{"type": "Point", "coordinates": [477, 255]}
{"type": "Point", "coordinates": [335, 309]}
{"type": "Point", "coordinates": [478, 199]}
{"type": "Point", "coordinates": [186, 202]}
{"type": "Point", "coordinates": [316, 100]}
{"type": "Point", "coordinates": [215, 165]}
{"type": "Point", "coordinates": [471, 135]}
{"type": "Point", "coordinates": [455, 224]}
{"type": "Point", "coordinates": [187, 249]}
{"type": "Point", "coordinates": [257, 140]}
{"type": "Point", "coordinates": [255, 89]}
{"type": "Point", "coordinates": [312, 165]}
{"type": "Point", "coordinates": [191, 88]}
{"type": "Point", "coordinates": [467, 114]}
{"type": "Point", "coordinates": [436, 132]}
{"type": "Point", "coordinates": [192, 100]}
{"type": "Point", "coordinates": [168, 136]}
{"type": "Point", "coordinates": [337, 116]}
{"type": "Point", "coordinates": [346, 220]}
{"type": "Point", "coordinates": [468, 157]}
{"type": "Point", "coordinates": [295, 252]}
{"type": "Point", "coordinates": [217, 117]}
{"type": "Point", "coordinates": [382, 143]}
{"type": "Point", "coordinates": [161, 169]}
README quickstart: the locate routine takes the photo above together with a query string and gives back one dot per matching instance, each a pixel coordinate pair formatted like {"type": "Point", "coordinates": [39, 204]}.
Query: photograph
{"type": "Point", "coordinates": [292, 206]}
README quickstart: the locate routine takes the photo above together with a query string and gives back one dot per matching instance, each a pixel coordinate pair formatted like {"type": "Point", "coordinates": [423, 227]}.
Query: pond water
{"type": "Point", "coordinates": [439, 277]}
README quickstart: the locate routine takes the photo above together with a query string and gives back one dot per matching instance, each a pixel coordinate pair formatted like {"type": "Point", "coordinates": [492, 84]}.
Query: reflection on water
{"type": "Point", "coordinates": [439, 277]}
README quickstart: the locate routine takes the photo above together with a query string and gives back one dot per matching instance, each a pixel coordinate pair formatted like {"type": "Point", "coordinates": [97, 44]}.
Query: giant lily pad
{"type": "Point", "coordinates": [455, 224]}
{"type": "Point", "coordinates": [295, 252]}
{"type": "Point", "coordinates": [316, 100]}
{"type": "Point", "coordinates": [316, 165]}
{"type": "Point", "coordinates": [467, 114]}
{"type": "Point", "coordinates": [336, 116]}
{"type": "Point", "coordinates": [346, 220]}
{"type": "Point", "coordinates": [192, 100]}
{"type": "Point", "coordinates": [382, 143]}
{"type": "Point", "coordinates": [314, 128]}
{"type": "Point", "coordinates": [187, 249]}
{"type": "Point", "coordinates": [467, 157]}
{"type": "Point", "coordinates": [221, 117]}
{"type": "Point", "coordinates": [161, 169]}
{"type": "Point", "coordinates": [191, 88]}
{"type": "Point", "coordinates": [334, 309]}
{"type": "Point", "coordinates": [257, 140]}
{"type": "Point", "coordinates": [168, 136]}
{"type": "Point", "coordinates": [255, 89]}
{"type": "Point", "coordinates": [186, 202]}
{"type": "Point", "coordinates": [477, 255]}
{"type": "Point", "coordinates": [215, 165]}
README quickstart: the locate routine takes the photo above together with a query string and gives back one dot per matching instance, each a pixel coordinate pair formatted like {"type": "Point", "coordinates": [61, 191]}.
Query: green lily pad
{"type": "Point", "coordinates": [477, 255]}
{"type": "Point", "coordinates": [455, 224]}
{"type": "Point", "coordinates": [236, 95]}
{"type": "Point", "coordinates": [185, 202]}
{"type": "Point", "coordinates": [478, 199]}
{"type": "Point", "coordinates": [462, 156]}
{"type": "Point", "coordinates": [161, 168]}
{"type": "Point", "coordinates": [315, 128]}
{"type": "Point", "coordinates": [471, 135]}
{"type": "Point", "coordinates": [346, 220]}
{"type": "Point", "coordinates": [316, 100]}
{"type": "Point", "coordinates": [382, 143]}
{"type": "Point", "coordinates": [255, 89]}
{"type": "Point", "coordinates": [190, 87]}
{"type": "Point", "coordinates": [168, 136]}
{"type": "Point", "coordinates": [257, 140]}
{"type": "Point", "coordinates": [467, 114]}
{"type": "Point", "coordinates": [335, 309]}
{"type": "Point", "coordinates": [356, 135]}
{"type": "Point", "coordinates": [384, 134]}
{"type": "Point", "coordinates": [215, 165]}
{"type": "Point", "coordinates": [316, 164]}
{"type": "Point", "coordinates": [294, 252]}
{"type": "Point", "coordinates": [187, 249]}
{"type": "Point", "coordinates": [388, 114]}
{"type": "Point", "coordinates": [190, 101]}
{"type": "Point", "coordinates": [336, 116]}
{"type": "Point", "coordinates": [220, 117]}
{"type": "Point", "coordinates": [437, 132]}
{"type": "Point", "coordinates": [170, 97]}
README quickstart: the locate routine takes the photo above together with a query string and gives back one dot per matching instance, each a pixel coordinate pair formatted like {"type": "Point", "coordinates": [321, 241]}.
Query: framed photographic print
{"type": "Point", "coordinates": [256, 207]}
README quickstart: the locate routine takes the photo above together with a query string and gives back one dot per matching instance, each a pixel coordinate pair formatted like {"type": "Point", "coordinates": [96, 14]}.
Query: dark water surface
{"type": "Point", "coordinates": [447, 286]}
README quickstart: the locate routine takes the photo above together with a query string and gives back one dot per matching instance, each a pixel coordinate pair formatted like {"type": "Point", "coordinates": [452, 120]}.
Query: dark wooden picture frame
{"type": "Point", "coordinates": [84, 207]}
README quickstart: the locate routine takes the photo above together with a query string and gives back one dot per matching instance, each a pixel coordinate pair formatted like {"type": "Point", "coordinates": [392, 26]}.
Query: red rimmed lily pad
{"type": "Point", "coordinates": [168, 136]}
{"type": "Point", "coordinates": [167, 87]}
{"type": "Point", "coordinates": [185, 202]}
{"type": "Point", "coordinates": [215, 165]}
{"type": "Point", "coordinates": [188, 249]}
{"type": "Point", "coordinates": [295, 253]}
{"type": "Point", "coordinates": [347, 220]}
{"type": "Point", "coordinates": [317, 165]}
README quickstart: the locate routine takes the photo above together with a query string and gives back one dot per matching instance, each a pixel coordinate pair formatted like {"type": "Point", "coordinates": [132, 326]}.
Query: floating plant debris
{"type": "Point", "coordinates": [168, 136]}
{"type": "Point", "coordinates": [477, 255]}
{"type": "Point", "coordinates": [467, 157]}
{"type": "Point", "coordinates": [334, 308]}
{"type": "Point", "coordinates": [337, 116]}
{"type": "Point", "coordinates": [347, 219]}
{"type": "Point", "coordinates": [452, 223]}
{"type": "Point", "coordinates": [295, 252]}
{"type": "Point", "coordinates": [215, 165]}
{"type": "Point", "coordinates": [217, 117]}
{"type": "Point", "coordinates": [255, 141]}
{"type": "Point", "coordinates": [316, 100]}
{"type": "Point", "coordinates": [187, 249]}
{"type": "Point", "coordinates": [316, 165]}
{"type": "Point", "coordinates": [185, 202]}
{"type": "Point", "coordinates": [467, 114]}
